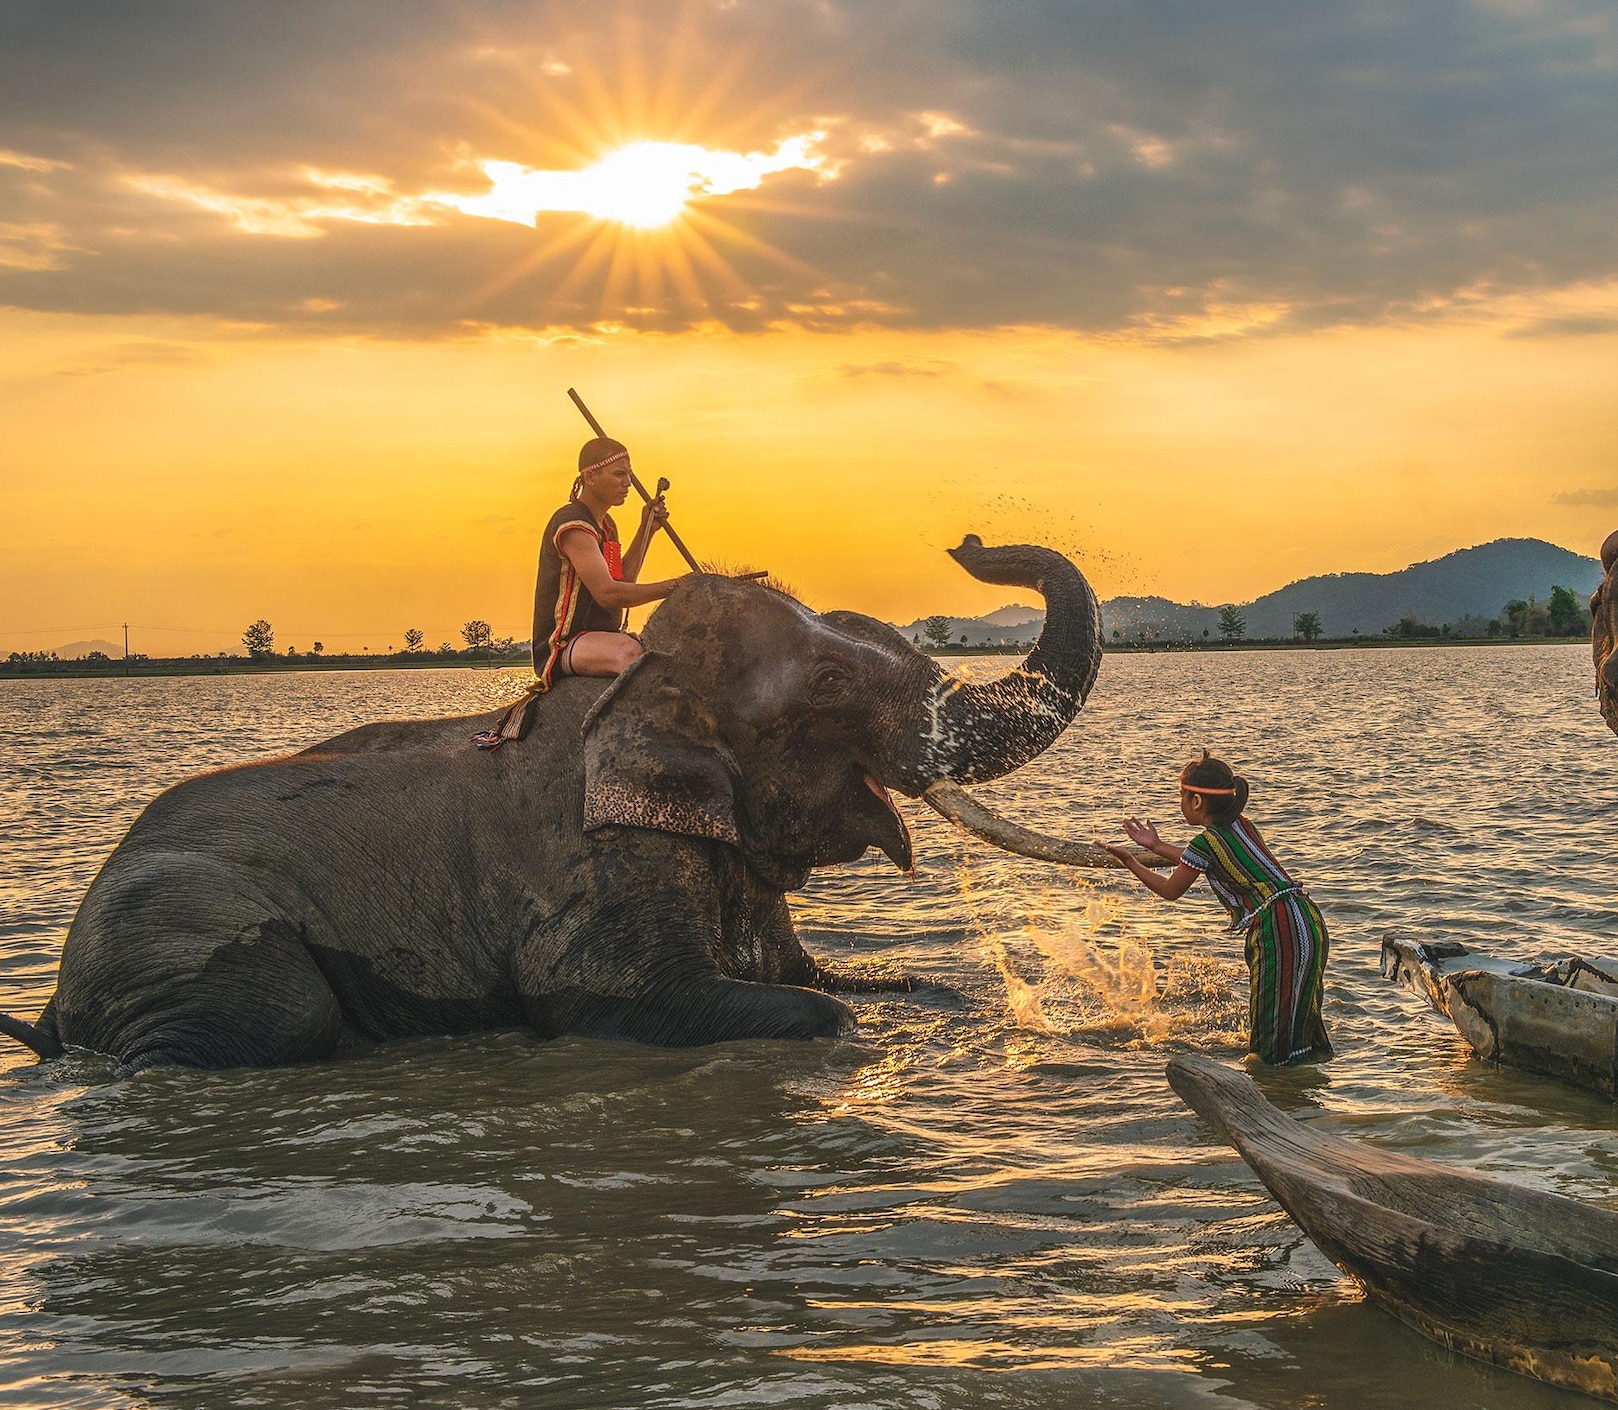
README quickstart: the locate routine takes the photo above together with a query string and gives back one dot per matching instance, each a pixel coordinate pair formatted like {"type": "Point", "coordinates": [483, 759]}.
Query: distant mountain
{"type": "Point", "coordinates": [1158, 617]}
{"type": "Point", "coordinates": [1013, 622]}
{"type": "Point", "coordinates": [1468, 587]}
{"type": "Point", "coordinates": [1471, 582]}
{"type": "Point", "coordinates": [1014, 614]}
{"type": "Point", "coordinates": [76, 650]}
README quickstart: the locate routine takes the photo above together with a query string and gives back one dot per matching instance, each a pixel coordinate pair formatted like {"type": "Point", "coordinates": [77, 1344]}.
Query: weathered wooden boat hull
{"type": "Point", "coordinates": [1525, 1280]}
{"type": "Point", "coordinates": [1560, 1019]}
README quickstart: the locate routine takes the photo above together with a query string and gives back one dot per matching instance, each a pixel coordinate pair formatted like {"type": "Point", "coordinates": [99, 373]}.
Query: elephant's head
{"type": "Point", "coordinates": [753, 720]}
{"type": "Point", "coordinates": [1604, 633]}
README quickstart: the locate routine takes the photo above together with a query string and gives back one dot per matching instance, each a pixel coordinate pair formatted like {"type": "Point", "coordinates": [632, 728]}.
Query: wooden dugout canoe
{"type": "Point", "coordinates": [1525, 1280]}
{"type": "Point", "coordinates": [1560, 1019]}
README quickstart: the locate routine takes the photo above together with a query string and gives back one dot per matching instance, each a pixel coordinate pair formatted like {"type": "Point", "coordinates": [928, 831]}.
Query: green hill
{"type": "Point", "coordinates": [1468, 586]}
{"type": "Point", "coordinates": [1471, 582]}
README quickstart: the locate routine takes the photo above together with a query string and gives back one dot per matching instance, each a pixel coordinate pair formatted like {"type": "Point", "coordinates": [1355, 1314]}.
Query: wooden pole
{"type": "Point", "coordinates": [634, 479]}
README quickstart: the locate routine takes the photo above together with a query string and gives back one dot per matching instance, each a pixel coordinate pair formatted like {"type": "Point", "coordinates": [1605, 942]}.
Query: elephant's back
{"type": "Point", "coordinates": [403, 736]}
{"type": "Point", "coordinates": [556, 716]}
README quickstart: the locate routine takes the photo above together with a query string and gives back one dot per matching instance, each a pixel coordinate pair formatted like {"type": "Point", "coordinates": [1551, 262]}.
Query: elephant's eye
{"type": "Point", "coordinates": [1595, 603]}
{"type": "Point", "coordinates": [829, 682]}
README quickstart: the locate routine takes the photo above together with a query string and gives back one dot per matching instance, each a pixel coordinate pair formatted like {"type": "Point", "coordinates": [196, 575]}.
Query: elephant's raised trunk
{"type": "Point", "coordinates": [971, 732]}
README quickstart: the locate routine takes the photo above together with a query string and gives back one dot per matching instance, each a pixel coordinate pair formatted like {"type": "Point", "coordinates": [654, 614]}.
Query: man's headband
{"type": "Point", "coordinates": [1197, 788]}
{"type": "Point", "coordinates": [616, 455]}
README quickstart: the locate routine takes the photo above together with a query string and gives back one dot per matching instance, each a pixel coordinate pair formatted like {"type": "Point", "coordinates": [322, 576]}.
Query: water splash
{"type": "Point", "coordinates": [1021, 997]}
{"type": "Point", "coordinates": [1080, 972]}
{"type": "Point", "coordinates": [1126, 981]}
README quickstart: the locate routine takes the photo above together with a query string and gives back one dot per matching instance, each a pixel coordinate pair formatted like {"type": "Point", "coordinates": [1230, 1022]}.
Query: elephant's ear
{"type": "Point", "coordinates": [653, 757]}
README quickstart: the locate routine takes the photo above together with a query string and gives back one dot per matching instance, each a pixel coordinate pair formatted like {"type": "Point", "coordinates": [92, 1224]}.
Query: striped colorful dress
{"type": "Point", "coordinates": [1286, 939]}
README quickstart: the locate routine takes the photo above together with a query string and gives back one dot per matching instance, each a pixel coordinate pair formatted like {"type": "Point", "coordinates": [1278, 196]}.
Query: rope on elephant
{"type": "Point", "coordinates": [514, 720]}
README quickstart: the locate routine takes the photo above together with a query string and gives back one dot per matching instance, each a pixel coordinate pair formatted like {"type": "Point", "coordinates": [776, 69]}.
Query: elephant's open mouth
{"type": "Point", "coordinates": [893, 837]}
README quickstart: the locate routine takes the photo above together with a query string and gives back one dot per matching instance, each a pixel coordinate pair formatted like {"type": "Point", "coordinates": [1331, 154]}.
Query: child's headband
{"type": "Point", "coordinates": [1197, 788]}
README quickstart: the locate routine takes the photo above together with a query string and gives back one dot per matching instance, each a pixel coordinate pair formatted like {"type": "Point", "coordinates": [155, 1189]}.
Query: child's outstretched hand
{"type": "Point", "coordinates": [1142, 834]}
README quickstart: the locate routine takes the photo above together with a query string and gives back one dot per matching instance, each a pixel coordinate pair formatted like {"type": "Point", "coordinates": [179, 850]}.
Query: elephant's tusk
{"type": "Point", "coordinates": [951, 800]}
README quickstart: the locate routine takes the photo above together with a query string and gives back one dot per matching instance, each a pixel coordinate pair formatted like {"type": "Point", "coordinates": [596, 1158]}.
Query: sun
{"type": "Point", "coordinates": [650, 231]}
{"type": "Point", "coordinates": [650, 198]}
{"type": "Point", "coordinates": [644, 184]}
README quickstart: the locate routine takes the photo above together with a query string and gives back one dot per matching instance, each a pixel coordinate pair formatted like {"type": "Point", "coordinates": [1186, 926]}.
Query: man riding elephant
{"type": "Point", "coordinates": [586, 578]}
{"type": "Point", "coordinates": [620, 872]}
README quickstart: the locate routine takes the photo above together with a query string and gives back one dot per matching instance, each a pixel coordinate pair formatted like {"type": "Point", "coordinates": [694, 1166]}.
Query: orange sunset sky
{"type": "Point", "coordinates": [1209, 297]}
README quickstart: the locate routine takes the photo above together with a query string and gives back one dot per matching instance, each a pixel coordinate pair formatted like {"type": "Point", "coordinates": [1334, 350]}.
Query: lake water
{"type": "Point", "coordinates": [993, 1201]}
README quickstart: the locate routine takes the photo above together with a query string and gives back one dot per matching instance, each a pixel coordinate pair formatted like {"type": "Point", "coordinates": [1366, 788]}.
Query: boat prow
{"type": "Point", "coordinates": [1497, 1271]}
{"type": "Point", "coordinates": [1560, 1019]}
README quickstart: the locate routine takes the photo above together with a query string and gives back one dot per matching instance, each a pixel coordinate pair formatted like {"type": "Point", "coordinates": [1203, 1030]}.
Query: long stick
{"type": "Point", "coordinates": [634, 479]}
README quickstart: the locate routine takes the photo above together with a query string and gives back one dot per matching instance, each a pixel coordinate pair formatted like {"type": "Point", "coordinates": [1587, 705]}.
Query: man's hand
{"type": "Point", "coordinates": [654, 515]}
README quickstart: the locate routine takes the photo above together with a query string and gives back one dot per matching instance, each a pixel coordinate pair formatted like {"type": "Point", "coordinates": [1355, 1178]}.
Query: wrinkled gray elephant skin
{"type": "Point", "coordinates": [620, 872]}
{"type": "Point", "coordinates": [1604, 633]}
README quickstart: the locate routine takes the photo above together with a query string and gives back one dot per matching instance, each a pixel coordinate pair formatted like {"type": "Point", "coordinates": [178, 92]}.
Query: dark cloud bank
{"type": "Point", "coordinates": [1118, 166]}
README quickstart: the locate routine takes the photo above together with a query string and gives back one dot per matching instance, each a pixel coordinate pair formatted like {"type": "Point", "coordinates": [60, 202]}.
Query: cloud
{"type": "Point", "coordinates": [32, 246]}
{"type": "Point", "coordinates": [1587, 499]}
{"type": "Point", "coordinates": [928, 369]}
{"type": "Point", "coordinates": [1572, 325]}
{"type": "Point", "coordinates": [1172, 172]}
{"type": "Point", "coordinates": [367, 200]}
{"type": "Point", "coordinates": [23, 162]}
{"type": "Point", "coordinates": [121, 356]}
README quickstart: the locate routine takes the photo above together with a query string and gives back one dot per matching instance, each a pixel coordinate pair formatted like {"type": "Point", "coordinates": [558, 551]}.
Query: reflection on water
{"type": "Point", "coordinates": [989, 1198]}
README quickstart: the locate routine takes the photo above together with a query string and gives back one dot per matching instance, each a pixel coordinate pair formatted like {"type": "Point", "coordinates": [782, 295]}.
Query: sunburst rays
{"type": "Point", "coordinates": [611, 133]}
{"type": "Point", "coordinates": [646, 189]}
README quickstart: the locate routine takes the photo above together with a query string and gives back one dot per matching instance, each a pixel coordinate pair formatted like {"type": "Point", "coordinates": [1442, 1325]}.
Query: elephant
{"type": "Point", "coordinates": [1604, 633]}
{"type": "Point", "coordinates": [620, 872]}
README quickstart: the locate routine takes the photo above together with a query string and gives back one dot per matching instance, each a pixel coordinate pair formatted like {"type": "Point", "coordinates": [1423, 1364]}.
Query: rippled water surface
{"type": "Point", "coordinates": [990, 1200]}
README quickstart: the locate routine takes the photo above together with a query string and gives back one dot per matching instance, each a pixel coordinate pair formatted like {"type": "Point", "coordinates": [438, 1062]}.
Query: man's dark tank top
{"type": "Point", "coordinates": [563, 606]}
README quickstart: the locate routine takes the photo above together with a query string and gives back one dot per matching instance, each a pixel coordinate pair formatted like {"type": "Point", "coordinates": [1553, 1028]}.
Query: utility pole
{"type": "Point", "coordinates": [126, 648]}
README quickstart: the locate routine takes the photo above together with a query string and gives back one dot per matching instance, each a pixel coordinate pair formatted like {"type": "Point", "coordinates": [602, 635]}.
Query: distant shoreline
{"type": "Point", "coordinates": [242, 666]}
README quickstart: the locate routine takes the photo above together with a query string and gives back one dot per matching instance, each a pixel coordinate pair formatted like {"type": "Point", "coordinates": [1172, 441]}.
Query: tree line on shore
{"type": "Point", "coordinates": [1560, 616]}
{"type": "Point", "coordinates": [258, 642]}
{"type": "Point", "coordinates": [480, 644]}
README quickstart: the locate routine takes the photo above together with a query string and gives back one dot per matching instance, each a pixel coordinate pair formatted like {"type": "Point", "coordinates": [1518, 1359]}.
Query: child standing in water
{"type": "Point", "coordinates": [1286, 935]}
